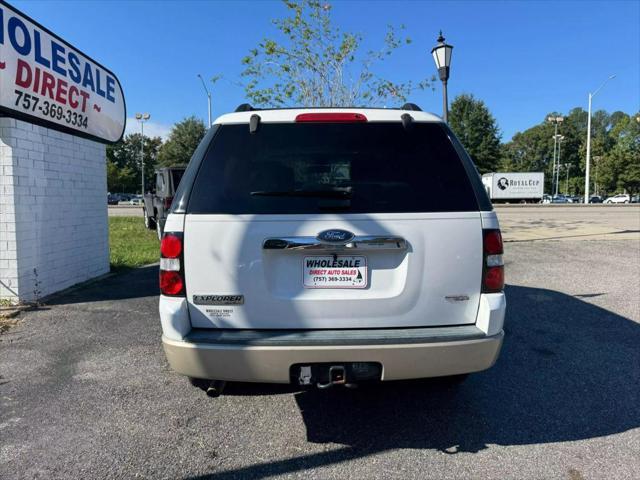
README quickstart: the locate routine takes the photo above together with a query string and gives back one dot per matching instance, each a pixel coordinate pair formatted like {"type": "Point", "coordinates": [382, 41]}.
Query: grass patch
{"type": "Point", "coordinates": [131, 244]}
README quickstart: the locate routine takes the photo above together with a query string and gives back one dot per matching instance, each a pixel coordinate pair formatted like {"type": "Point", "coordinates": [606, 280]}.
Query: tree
{"type": "Point", "coordinates": [313, 63]}
{"type": "Point", "coordinates": [619, 168]}
{"type": "Point", "coordinates": [615, 151]}
{"type": "Point", "coordinates": [529, 151]}
{"type": "Point", "coordinates": [123, 163]}
{"type": "Point", "coordinates": [183, 140]}
{"type": "Point", "coordinates": [477, 130]}
{"type": "Point", "coordinates": [121, 180]}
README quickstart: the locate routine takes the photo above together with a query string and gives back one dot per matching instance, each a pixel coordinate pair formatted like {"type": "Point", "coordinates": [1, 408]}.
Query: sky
{"type": "Point", "coordinates": [524, 59]}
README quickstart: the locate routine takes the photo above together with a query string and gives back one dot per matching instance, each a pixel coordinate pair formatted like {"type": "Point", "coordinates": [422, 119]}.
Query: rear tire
{"type": "Point", "coordinates": [148, 221]}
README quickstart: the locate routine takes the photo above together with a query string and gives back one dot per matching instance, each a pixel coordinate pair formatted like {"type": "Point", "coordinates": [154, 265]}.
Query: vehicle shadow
{"type": "Point", "coordinates": [136, 283]}
{"type": "Point", "coordinates": [569, 370]}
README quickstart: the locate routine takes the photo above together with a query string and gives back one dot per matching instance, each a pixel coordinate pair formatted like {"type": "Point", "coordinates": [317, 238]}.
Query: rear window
{"type": "Point", "coordinates": [294, 168]}
{"type": "Point", "coordinates": [177, 176]}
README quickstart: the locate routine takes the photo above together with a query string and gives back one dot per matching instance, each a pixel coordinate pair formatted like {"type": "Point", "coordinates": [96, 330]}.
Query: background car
{"type": "Point", "coordinates": [555, 199]}
{"type": "Point", "coordinates": [158, 201]}
{"type": "Point", "coordinates": [595, 199]}
{"type": "Point", "coordinates": [620, 198]}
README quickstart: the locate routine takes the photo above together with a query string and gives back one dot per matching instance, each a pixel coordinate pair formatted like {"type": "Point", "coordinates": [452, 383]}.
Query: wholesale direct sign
{"type": "Point", "coordinates": [46, 81]}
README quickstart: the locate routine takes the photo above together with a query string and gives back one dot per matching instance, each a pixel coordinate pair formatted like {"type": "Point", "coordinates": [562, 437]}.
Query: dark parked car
{"type": "Point", "coordinates": [158, 200]}
{"type": "Point", "coordinates": [595, 199]}
{"type": "Point", "coordinates": [113, 199]}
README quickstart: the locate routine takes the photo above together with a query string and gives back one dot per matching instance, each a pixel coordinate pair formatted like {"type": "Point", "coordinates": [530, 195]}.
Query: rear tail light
{"type": "Point", "coordinates": [172, 265]}
{"type": "Point", "coordinates": [167, 202]}
{"type": "Point", "coordinates": [493, 264]}
{"type": "Point", "coordinates": [331, 117]}
{"type": "Point", "coordinates": [171, 245]}
{"type": "Point", "coordinates": [171, 283]}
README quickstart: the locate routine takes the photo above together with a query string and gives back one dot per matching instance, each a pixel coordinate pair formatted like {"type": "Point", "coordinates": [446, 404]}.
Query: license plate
{"type": "Point", "coordinates": [334, 271]}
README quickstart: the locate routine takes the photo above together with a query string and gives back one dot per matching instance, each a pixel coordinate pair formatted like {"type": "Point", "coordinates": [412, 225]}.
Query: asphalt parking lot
{"type": "Point", "coordinates": [85, 391]}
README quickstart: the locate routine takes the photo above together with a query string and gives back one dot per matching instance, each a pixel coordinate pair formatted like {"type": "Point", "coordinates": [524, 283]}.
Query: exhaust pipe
{"type": "Point", "coordinates": [215, 388]}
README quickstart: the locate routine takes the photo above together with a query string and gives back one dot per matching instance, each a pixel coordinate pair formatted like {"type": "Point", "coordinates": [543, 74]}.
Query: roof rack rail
{"type": "Point", "coordinates": [245, 107]}
{"type": "Point", "coordinates": [411, 106]}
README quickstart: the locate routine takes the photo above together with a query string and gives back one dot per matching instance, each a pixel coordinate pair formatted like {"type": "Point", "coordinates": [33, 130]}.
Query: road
{"type": "Point", "coordinates": [540, 222]}
{"type": "Point", "coordinates": [560, 222]}
{"type": "Point", "coordinates": [125, 211]}
{"type": "Point", "coordinates": [85, 392]}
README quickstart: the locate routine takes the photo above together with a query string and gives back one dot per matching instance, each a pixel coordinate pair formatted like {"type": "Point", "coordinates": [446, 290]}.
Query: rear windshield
{"type": "Point", "coordinates": [294, 168]}
{"type": "Point", "coordinates": [177, 176]}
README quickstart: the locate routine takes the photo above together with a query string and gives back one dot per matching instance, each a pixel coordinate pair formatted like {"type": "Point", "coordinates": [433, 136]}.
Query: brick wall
{"type": "Point", "coordinates": [53, 210]}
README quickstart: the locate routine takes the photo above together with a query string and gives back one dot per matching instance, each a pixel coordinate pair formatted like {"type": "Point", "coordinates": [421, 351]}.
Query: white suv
{"type": "Point", "coordinates": [331, 246]}
{"type": "Point", "coordinates": [620, 198]}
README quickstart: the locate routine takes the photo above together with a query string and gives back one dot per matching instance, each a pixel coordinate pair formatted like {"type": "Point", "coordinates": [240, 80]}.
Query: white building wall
{"type": "Point", "coordinates": [53, 217]}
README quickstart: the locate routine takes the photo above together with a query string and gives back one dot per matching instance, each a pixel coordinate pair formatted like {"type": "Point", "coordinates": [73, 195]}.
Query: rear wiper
{"type": "Point", "coordinates": [327, 193]}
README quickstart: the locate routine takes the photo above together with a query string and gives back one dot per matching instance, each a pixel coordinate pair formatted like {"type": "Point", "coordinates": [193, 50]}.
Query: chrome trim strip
{"type": "Point", "coordinates": [365, 242]}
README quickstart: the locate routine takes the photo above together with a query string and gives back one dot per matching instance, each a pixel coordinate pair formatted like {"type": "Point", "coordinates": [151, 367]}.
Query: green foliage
{"type": "Point", "coordinates": [183, 140]}
{"type": "Point", "coordinates": [123, 163]}
{"type": "Point", "coordinates": [314, 63]}
{"type": "Point", "coordinates": [121, 179]}
{"type": "Point", "coordinates": [131, 244]}
{"type": "Point", "coordinates": [615, 152]}
{"type": "Point", "coordinates": [477, 130]}
{"type": "Point", "coordinates": [619, 168]}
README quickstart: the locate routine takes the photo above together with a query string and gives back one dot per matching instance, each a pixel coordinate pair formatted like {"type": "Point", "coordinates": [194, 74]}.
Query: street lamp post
{"type": "Point", "coordinates": [555, 120]}
{"type": "Point", "coordinates": [442, 56]}
{"type": "Point", "coordinates": [142, 117]}
{"type": "Point", "coordinates": [560, 139]}
{"type": "Point", "coordinates": [208, 97]}
{"type": "Point", "coordinates": [586, 176]}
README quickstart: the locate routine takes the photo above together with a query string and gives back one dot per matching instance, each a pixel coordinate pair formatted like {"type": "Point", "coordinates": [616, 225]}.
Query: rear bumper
{"type": "Point", "coordinates": [404, 354]}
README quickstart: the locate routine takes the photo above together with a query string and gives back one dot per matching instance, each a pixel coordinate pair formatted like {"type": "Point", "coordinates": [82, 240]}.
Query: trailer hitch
{"type": "Point", "coordinates": [326, 375]}
{"type": "Point", "coordinates": [337, 376]}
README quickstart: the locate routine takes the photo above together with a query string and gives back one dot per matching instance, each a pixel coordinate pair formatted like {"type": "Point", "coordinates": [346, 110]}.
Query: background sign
{"type": "Point", "coordinates": [516, 185]}
{"type": "Point", "coordinates": [45, 80]}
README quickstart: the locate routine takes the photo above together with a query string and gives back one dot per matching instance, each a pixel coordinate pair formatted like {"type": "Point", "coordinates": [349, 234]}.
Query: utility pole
{"type": "Point", "coordinates": [560, 139]}
{"type": "Point", "coordinates": [142, 117]}
{"type": "Point", "coordinates": [208, 97]}
{"type": "Point", "coordinates": [556, 120]}
{"type": "Point", "coordinates": [586, 176]}
{"type": "Point", "coordinates": [596, 161]}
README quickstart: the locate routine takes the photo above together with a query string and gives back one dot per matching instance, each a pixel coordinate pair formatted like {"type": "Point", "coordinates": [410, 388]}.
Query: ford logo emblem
{"type": "Point", "coordinates": [335, 236]}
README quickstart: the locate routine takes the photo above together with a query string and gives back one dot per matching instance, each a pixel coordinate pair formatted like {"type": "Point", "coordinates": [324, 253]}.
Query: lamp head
{"type": "Point", "coordinates": [442, 57]}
